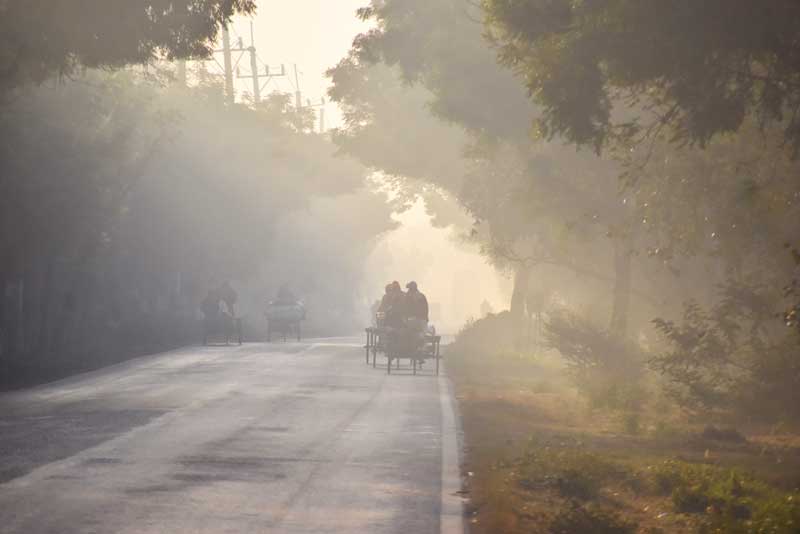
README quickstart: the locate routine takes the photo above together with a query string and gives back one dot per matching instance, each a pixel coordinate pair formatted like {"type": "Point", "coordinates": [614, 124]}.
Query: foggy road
{"type": "Point", "coordinates": [296, 437]}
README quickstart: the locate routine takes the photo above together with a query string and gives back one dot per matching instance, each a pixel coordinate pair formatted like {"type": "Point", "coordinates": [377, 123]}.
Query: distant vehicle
{"type": "Point", "coordinates": [402, 342]}
{"type": "Point", "coordinates": [284, 318]}
{"type": "Point", "coordinates": [225, 326]}
{"type": "Point", "coordinates": [218, 323]}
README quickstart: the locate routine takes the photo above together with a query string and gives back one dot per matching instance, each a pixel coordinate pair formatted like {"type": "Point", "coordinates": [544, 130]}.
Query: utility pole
{"type": "Point", "coordinates": [298, 96]}
{"type": "Point", "coordinates": [298, 101]}
{"type": "Point", "coordinates": [254, 74]}
{"type": "Point", "coordinates": [254, 66]}
{"type": "Point", "coordinates": [228, 64]}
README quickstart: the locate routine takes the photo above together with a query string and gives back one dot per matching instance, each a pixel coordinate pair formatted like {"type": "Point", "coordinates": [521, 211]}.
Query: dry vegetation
{"type": "Point", "coordinates": [541, 456]}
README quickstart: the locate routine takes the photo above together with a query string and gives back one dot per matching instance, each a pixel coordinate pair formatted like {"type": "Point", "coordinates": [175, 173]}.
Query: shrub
{"type": "Point", "coordinates": [729, 501]}
{"type": "Point", "coordinates": [607, 370]}
{"type": "Point", "coordinates": [494, 334]}
{"type": "Point", "coordinates": [631, 423]}
{"type": "Point", "coordinates": [573, 473]}
{"type": "Point", "coordinates": [576, 519]}
{"type": "Point", "coordinates": [736, 355]}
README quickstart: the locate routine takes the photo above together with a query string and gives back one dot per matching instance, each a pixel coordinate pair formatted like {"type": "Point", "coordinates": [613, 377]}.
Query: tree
{"type": "Point", "coordinates": [700, 67]}
{"type": "Point", "coordinates": [527, 201]}
{"type": "Point", "coordinates": [43, 38]}
{"type": "Point", "coordinates": [128, 199]}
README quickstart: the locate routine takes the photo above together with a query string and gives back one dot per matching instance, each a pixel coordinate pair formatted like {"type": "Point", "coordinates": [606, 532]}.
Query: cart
{"type": "Point", "coordinates": [284, 319]}
{"type": "Point", "coordinates": [402, 343]}
{"type": "Point", "coordinates": [222, 326]}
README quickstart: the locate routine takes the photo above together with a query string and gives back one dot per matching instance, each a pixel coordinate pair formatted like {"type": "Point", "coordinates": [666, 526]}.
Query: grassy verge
{"type": "Point", "coordinates": [540, 457]}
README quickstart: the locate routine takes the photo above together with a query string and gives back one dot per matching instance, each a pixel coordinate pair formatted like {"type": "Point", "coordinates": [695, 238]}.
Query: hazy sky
{"type": "Point", "coordinates": [314, 34]}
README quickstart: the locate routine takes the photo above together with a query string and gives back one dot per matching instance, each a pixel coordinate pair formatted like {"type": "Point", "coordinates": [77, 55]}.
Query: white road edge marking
{"type": "Point", "coordinates": [452, 511]}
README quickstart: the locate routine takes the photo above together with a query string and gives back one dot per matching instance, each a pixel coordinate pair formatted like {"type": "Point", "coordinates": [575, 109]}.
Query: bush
{"type": "Point", "coordinates": [737, 355]}
{"type": "Point", "coordinates": [606, 369]}
{"type": "Point", "coordinates": [631, 423]}
{"type": "Point", "coordinates": [494, 334]}
{"type": "Point", "coordinates": [576, 519]}
{"type": "Point", "coordinates": [573, 473]}
{"type": "Point", "coordinates": [729, 501]}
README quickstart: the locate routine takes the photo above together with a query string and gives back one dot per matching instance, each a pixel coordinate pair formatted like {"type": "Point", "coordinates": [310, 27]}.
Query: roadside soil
{"type": "Point", "coordinates": [539, 458]}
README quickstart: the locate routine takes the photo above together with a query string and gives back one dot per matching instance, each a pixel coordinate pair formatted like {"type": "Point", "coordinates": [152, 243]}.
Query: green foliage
{"type": "Point", "coordinates": [574, 473]}
{"type": "Point", "coordinates": [699, 67]}
{"type": "Point", "coordinates": [491, 335]}
{"type": "Point", "coordinates": [128, 200]}
{"type": "Point", "coordinates": [607, 369]}
{"type": "Point", "coordinates": [632, 423]}
{"type": "Point", "coordinates": [791, 315]}
{"type": "Point", "coordinates": [578, 519]}
{"type": "Point", "coordinates": [438, 45]}
{"type": "Point", "coordinates": [700, 113]}
{"type": "Point", "coordinates": [729, 501]}
{"type": "Point", "coordinates": [44, 38]}
{"type": "Point", "coordinates": [736, 355]}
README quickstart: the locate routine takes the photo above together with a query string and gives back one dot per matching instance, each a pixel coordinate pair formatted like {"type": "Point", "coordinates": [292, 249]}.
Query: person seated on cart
{"type": "Point", "coordinates": [384, 305]}
{"type": "Point", "coordinates": [229, 297]}
{"type": "Point", "coordinates": [214, 318]}
{"type": "Point", "coordinates": [285, 296]}
{"type": "Point", "coordinates": [416, 307]}
{"type": "Point", "coordinates": [286, 302]}
{"type": "Point", "coordinates": [395, 308]}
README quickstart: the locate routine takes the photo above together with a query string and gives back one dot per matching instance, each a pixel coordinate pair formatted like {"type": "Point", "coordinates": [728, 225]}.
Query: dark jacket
{"type": "Point", "coordinates": [416, 305]}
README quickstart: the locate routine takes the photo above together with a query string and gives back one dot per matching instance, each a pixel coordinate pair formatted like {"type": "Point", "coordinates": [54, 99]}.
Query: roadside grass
{"type": "Point", "coordinates": [540, 457]}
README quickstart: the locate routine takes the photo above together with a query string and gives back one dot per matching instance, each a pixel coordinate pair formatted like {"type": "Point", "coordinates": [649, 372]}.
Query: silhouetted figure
{"type": "Point", "coordinates": [384, 305]}
{"type": "Point", "coordinates": [416, 304]}
{"type": "Point", "coordinates": [285, 296]}
{"type": "Point", "coordinates": [396, 309]}
{"type": "Point", "coordinates": [215, 318]}
{"type": "Point", "coordinates": [229, 296]}
{"type": "Point", "coordinates": [284, 314]}
{"type": "Point", "coordinates": [386, 300]}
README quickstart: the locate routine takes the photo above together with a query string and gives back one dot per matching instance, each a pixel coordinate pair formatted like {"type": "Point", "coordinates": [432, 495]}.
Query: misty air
{"type": "Point", "coordinates": [400, 266]}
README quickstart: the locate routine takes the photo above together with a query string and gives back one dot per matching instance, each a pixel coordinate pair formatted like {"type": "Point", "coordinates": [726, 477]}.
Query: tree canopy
{"type": "Point", "coordinates": [699, 67]}
{"type": "Point", "coordinates": [43, 38]}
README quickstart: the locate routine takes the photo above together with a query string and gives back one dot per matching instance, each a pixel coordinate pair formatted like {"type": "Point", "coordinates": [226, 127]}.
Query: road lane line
{"type": "Point", "coordinates": [452, 511]}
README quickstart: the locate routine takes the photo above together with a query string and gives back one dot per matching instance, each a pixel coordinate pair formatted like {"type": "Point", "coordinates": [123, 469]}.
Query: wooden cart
{"type": "Point", "coordinates": [399, 344]}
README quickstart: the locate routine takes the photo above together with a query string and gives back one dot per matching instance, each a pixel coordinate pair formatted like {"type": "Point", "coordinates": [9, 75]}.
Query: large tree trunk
{"type": "Point", "coordinates": [622, 286]}
{"type": "Point", "coordinates": [522, 276]}
{"type": "Point", "coordinates": [519, 297]}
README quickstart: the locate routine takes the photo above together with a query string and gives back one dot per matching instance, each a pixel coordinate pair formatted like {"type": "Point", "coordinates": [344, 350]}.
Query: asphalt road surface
{"type": "Point", "coordinates": [295, 437]}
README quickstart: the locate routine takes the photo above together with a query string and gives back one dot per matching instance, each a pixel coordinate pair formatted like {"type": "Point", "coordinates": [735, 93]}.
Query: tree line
{"type": "Point", "coordinates": [127, 196]}
{"type": "Point", "coordinates": [632, 164]}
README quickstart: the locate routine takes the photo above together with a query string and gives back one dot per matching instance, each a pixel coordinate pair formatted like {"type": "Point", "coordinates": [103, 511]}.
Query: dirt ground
{"type": "Point", "coordinates": [540, 458]}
